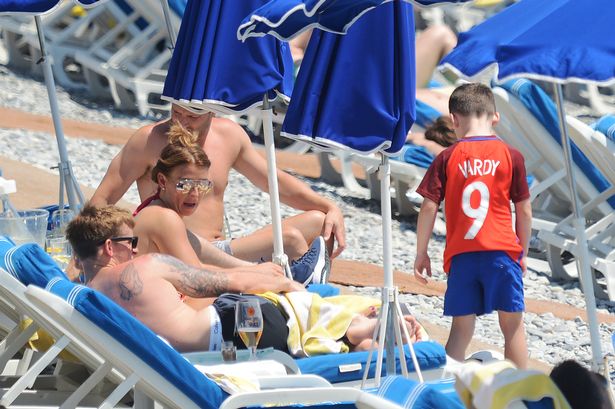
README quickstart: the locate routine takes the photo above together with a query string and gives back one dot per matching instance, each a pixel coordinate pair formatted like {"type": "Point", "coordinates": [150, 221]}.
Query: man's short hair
{"type": "Point", "coordinates": [473, 99]}
{"type": "Point", "coordinates": [93, 225]}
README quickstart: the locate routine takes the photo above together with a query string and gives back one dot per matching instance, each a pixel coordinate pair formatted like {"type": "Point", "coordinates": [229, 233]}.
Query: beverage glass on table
{"type": "Point", "coordinates": [249, 324]}
{"type": "Point", "coordinates": [59, 221]}
{"type": "Point", "coordinates": [60, 250]}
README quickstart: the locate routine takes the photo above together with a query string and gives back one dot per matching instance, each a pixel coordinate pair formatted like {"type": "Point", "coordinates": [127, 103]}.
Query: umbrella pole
{"type": "Point", "coordinates": [583, 266]}
{"type": "Point", "coordinates": [67, 178]}
{"type": "Point", "coordinates": [390, 316]}
{"type": "Point", "coordinates": [278, 256]}
{"type": "Point", "coordinates": [167, 20]}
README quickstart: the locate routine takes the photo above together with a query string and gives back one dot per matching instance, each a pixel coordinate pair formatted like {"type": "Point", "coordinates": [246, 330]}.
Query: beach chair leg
{"type": "Point", "coordinates": [14, 341]}
{"type": "Point", "coordinates": [86, 387]}
{"type": "Point", "coordinates": [28, 379]}
{"type": "Point", "coordinates": [119, 392]}
{"type": "Point", "coordinates": [327, 172]}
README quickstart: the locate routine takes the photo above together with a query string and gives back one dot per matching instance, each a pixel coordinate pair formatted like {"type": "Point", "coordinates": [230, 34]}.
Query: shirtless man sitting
{"type": "Point", "coordinates": [148, 286]}
{"type": "Point", "coordinates": [230, 148]}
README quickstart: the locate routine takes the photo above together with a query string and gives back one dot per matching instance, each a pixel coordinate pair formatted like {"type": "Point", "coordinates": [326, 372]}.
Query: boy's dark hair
{"type": "Point", "coordinates": [473, 99]}
{"type": "Point", "coordinates": [441, 132]}
{"type": "Point", "coordinates": [582, 388]}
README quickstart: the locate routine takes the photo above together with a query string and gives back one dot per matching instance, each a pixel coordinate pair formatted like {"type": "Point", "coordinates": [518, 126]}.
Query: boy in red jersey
{"type": "Point", "coordinates": [484, 256]}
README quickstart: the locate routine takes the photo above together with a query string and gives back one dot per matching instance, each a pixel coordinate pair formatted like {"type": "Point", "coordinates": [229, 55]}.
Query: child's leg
{"type": "Point", "coordinates": [515, 347]}
{"type": "Point", "coordinates": [460, 336]}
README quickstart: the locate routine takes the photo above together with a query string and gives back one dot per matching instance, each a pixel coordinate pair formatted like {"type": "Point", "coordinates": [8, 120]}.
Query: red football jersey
{"type": "Point", "coordinates": [478, 177]}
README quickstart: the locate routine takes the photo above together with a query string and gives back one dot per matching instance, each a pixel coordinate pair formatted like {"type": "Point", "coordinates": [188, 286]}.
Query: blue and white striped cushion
{"type": "Point", "coordinates": [28, 263]}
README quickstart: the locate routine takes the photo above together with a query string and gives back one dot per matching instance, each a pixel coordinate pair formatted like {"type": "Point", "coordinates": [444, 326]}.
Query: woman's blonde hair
{"type": "Point", "coordinates": [181, 150]}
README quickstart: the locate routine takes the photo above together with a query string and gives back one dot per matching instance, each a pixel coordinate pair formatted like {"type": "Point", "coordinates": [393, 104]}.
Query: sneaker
{"type": "Point", "coordinates": [314, 266]}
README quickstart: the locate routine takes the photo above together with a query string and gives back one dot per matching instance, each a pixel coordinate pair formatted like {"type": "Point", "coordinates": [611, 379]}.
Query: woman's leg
{"type": "Point", "coordinates": [298, 232]}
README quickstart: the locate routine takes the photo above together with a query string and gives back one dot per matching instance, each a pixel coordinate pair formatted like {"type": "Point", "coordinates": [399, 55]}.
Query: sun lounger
{"type": "Point", "coordinates": [67, 29]}
{"type": "Point", "coordinates": [156, 370]}
{"type": "Point", "coordinates": [529, 123]}
{"type": "Point", "coordinates": [132, 56]}
{"type": "Point", "coordinates": [406, 171]}
{"type": "Point", "coordinates": [600, 149]}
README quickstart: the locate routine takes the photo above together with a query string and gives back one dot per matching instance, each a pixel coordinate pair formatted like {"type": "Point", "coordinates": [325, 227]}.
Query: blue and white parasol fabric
{"type": "Point", "coordinates": [558, 41]}
{"type": "Point", "coordinates": [357, 91]}
{"type": "Point", "coordinates": [285, 19]}
{"type": "Point", "coordinates": [38, 6]}
{"type": "Point", "coordinates": [211, 70]}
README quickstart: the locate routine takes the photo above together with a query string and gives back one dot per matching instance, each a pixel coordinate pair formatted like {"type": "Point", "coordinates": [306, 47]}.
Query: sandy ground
{"type": "Point", "coordinates": [37, 187]}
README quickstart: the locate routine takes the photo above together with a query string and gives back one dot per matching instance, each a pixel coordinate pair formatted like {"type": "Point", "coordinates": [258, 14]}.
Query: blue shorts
{"type": "Point", "coordinates": [483, 281]}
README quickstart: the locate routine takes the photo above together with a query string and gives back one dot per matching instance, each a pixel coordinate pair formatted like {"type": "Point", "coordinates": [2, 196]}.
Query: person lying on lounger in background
{"type": "Point", "coordinates": [437, 137]}
{"type": "Point", "coordinates": [147, 286]}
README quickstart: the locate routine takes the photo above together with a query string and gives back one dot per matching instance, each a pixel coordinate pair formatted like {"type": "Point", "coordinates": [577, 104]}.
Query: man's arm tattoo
{"type": "Point", "coordinates": [196, 282]}
{"type": "Point", "coordinates": [130, 283]}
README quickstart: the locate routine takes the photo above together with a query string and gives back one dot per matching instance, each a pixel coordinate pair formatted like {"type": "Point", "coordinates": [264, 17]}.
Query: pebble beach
{"type": "Point", "coordinates": [550, 339]}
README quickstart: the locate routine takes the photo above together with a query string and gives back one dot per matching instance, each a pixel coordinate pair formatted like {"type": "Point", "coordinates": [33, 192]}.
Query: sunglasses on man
{"type": "Point", "coordinates": [134, 240]}
{"type": "Point", "coordinates": [202, 186]}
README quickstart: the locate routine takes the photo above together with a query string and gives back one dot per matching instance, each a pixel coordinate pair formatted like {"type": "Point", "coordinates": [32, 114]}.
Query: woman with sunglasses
{"type": "Point", "coordinates": [181, 175]}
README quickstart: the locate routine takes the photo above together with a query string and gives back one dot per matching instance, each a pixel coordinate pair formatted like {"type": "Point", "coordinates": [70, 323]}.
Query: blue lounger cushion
{"type": "Point", "coordinates": [606, 125]}
{"type": "Point", "coordinates": [349, 367]}
{"type": "Point", "coordinates": [412, 394]}
{"type": "Point", "coordinates": [416, 155]}
{"type": "Point", "coordinates": [324, 290]}
{"type": "Point", "coordinates": [542, 107]}
{"type": "Point", "coordinates": [425, 114]}
{"type": "Point", "coordinates": [29, 264]}
{"type": "Point", "coordinates": [139, 339]}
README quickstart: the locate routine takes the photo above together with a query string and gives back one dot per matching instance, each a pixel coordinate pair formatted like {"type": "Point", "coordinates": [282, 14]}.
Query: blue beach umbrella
{"type": "Point", "coordinates": [212, 71]}
{"type": "Point", "coordinates": [285, 19]}
{"type": "Point", "coordinates": [559, 41]}
{"type": "Point", "coordinates": [357, 91]}
{"type": "Point", "coordinates": [36, 8]}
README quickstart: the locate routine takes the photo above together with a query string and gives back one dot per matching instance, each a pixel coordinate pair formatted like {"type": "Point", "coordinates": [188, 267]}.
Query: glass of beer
{"type": "Point", "coordinates": [249, 324]}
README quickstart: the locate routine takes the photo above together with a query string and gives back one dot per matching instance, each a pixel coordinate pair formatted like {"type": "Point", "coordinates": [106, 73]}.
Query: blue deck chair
{"type": "Point", "coordinates": [156, 370]}
{"type": "Point", "coordinates": [529, 123]}
{"type": "Point", "coordinates": [606, 125]}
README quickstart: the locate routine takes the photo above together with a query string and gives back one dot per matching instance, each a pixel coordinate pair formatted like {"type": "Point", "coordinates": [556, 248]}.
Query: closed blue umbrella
{"type": "Point", "coordinates": [357, 91]}
{"type": "Point", "coordinates": [560, 41]}
{"type": "Point", "coordinates": [37, 7]}
{"type": "Point", "coordinates": [285, 19]}
{"type": "Point", "coordinates": [211, 70]}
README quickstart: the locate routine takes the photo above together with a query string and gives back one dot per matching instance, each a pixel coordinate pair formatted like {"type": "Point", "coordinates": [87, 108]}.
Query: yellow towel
{"type": "Point", "coordinates": [316, 325]}
{"type": "Point", "coordinates": [498, 384]}
{"type": "Point", "coordinates": [41, 341]}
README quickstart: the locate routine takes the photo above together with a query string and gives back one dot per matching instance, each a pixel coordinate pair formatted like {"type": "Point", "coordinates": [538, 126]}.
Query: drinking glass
{"type": "Point", "coordinates": [249, 324]}
{"type": "Point", "coordinates": [59, 249]}
{"type": "Point", "coordinates": [59, 220]}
